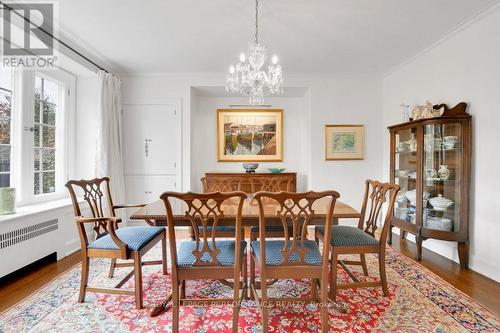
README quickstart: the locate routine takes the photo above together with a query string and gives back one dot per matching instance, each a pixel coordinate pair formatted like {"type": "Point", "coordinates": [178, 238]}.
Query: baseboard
{"type": "Point", "coordinates": [449, 251]}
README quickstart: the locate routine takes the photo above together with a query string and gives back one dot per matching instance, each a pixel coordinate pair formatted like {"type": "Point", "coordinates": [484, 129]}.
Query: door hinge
{"type": "Point", "coordinates": [68, 92]}
{"type": "Point", "coordinates": [175, 165]}
{"type": "Point", "coordinates": [175, 112]}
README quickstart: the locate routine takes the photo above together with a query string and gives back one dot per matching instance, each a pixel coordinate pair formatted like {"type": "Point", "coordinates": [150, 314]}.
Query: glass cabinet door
{"type": "Point", "coordinates": [442, 172]}
{"type": "Point", "coordinates": [405, 174]}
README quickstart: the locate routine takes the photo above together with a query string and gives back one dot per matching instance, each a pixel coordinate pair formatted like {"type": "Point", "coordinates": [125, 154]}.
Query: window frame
{"type": "Point", "coordinates": [65, 135]}
{"type": "Point", "coordinates": [11, 126]}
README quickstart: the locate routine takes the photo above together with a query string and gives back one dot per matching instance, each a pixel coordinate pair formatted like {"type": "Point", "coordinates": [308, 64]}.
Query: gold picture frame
{"type": "Point", "coordinates": [344, 142]}
{"type": "Point", "coordinates": [249, 135]}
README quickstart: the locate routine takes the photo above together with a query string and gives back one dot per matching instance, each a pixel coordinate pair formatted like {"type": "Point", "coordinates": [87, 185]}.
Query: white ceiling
{"type": "Point", "coordinates": [214, 91]}
{"type": "Point", "coordinates": [343, 36]}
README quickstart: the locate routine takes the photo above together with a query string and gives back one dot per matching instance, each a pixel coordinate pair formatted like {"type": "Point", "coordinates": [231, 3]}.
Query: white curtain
{"type": "Point", "coordinates": [109, 156]}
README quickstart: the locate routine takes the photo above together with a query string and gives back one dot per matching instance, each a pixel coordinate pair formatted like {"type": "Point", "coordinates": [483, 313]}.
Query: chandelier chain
{"type": "Point", "coordinates": [256, 21]}
{"type": "Point", "coordinates": [248, 77]}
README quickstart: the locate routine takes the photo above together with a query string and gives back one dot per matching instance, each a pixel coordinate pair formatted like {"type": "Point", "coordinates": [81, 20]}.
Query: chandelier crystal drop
{"type": "Point", "coordinates": [248, 78]}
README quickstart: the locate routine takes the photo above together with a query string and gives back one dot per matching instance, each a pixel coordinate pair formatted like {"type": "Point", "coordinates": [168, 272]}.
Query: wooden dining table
{"type": "Point", "coordinates": [155, 214]}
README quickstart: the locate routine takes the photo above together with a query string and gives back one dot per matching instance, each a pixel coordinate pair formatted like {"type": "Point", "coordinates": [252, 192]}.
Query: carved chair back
{"type": "Point", "coordinates": [221, 184]}
{"type": "Point", "coordinates": [295, 212]}
{"type": "Point", "coordinates": [271, 184]}
{"type": "Point", "coordinates": [204, 211]}
{"type": "Point", "coordinates": [376, 195]}
{"type": "Point", "coordinates": [97, 194]}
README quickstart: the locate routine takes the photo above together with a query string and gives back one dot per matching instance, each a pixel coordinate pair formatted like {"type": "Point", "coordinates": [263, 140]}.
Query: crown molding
{"type": "Point", "coordinates": [448, 35]}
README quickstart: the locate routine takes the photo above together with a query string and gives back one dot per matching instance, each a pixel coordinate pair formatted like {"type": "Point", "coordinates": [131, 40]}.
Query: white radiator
{"type": "Point", "coordinates": [29, 237]}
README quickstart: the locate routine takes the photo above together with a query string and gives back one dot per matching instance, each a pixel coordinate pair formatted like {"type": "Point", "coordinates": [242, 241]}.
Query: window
{"type": "Point", "coordinates": [5, 126]}
{"type": "Point", "coordinates": [36, 136]}
{"type": "Point", "coordinates": [45, 111]}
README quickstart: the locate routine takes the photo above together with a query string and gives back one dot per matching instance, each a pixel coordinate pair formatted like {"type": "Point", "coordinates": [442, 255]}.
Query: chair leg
{"type": "Point", "coordinates": [383, 277]}
{"type": "Point", "coordinates": [324, 308]}
{"type": "Point", "coordinates": [164, 255]}
{"type": "Point", "coordinates": [138, 280]}
{"type": "Point", "coordinates": [252, 265]}
{"type": "Point", "coordinates": [363, 263]}
{"type": "Point", "coordinates": [236, 303]}
{"type": "Point", "coordinates": [333, 276]}
{"type": "Point", "coordinates": [112, 268]}
{"type": "Point", "coordinates": [175, 305]}
{"type": "Point", "coordinates": [314, 289]}
{"type": "Point", "coordinates": [84, 279]}
{"type": "Point", "coordinates": [245, 275]}
{"type": "Point", "coordinates": [264, 305]}
{"type": "Point", "coordinates": [183, 289]}
{"type": "Point", "coordinates": [316, 235]}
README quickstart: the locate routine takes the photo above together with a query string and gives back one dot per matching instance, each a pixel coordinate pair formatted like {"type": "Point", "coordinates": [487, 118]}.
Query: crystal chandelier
{"type": "Point", "coordinates": [247, 77]}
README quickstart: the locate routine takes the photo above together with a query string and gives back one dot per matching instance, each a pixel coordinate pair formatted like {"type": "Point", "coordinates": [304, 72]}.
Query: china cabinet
{"type": "Point", "coordinates": [431, 162]}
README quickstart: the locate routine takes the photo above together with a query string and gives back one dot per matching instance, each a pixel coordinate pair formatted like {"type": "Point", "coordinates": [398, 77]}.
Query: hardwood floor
{"type": "Point", "coordinates": [478, 287]}
{"type": "Point", "coordinates": [475, 285]}
{"type": "Point", "coordinates": [22, 285]}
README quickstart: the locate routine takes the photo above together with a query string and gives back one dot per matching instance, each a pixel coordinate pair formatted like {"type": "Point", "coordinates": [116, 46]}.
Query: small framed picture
{"type": "Point", "coordinates": [344, 142]}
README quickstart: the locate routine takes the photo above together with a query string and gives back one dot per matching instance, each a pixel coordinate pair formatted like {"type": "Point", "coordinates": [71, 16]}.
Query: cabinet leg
{"type": "Point", "coordinates": [419, 248]}
{"type": "Point", "coordinates": [463, 254]}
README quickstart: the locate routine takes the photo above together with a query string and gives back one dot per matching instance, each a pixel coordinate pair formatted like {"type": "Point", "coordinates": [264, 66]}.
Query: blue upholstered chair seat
{"type": "Point", "coordinates": [223, 228]}
{"type": "Point", "coordinates": [185, 257]}
{"type": "Point", "coordinates": [274, 257]}
{"type": "Point", "coordinates": [271, 228]}
{"type": "Point", "coordinates": [135, 238]}
{"type": "Point", "coordinates": [343, 235]}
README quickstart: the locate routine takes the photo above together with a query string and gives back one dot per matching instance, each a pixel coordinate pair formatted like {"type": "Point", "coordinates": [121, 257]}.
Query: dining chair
{"type": "Point", "coordinates": [271, 184]}
{"type": "Point", "coordinates": [294, 257]}
{"type": "Point", "coordinates": [361, 239]}
{"type": "Point", "coordinates": [206, 257]}
{"type": "Point", "coordinates": [222, 184]}
{"type": "Point", "coordinates": [111, 241]}
{"type": "Point", "coordinates": [277, 184]}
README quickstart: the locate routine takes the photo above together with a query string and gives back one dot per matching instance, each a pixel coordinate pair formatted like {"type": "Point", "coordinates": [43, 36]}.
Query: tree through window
{"type": "Point", "coordinates": [5, 126]}
{"type": "Point", "coordinates": [45, 111]}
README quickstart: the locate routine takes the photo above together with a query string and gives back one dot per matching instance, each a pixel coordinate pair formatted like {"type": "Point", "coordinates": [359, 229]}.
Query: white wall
{"type": "Point", "coordinates": [463, 67]}
{"type": "Point", "coordinates": [204, 139]}
{"type": "Point", "coordinates": [350, 100]}
{"type": "Point", "coordinates": [329, 100]}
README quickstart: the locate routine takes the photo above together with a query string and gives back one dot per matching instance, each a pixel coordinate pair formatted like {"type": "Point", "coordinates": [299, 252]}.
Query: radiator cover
{"type": "Point", "coordinates": [26, 233]}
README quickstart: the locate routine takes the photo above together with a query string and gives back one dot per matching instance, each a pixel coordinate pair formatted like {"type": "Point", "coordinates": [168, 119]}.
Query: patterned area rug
{"type": "Point", "coordinates": [419, 301]}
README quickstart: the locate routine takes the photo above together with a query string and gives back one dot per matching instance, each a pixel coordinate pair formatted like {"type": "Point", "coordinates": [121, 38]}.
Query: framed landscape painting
{"type": "Point", "coordinates": [344, 142]}
{"type": "Point", "coordinates": [249, 135]}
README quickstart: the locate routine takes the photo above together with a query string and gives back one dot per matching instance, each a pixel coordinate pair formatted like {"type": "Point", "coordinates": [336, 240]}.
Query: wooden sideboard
{"type": "Point", "coordinates": [289, 178]}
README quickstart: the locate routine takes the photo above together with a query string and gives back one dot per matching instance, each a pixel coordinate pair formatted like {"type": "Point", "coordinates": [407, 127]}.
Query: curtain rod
{"type": "Point", "coordinates": [57, 39]}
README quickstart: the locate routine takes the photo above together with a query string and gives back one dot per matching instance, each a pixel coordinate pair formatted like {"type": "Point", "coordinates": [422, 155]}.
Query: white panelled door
{"type": "Point", "coordinates": [151, 148]}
